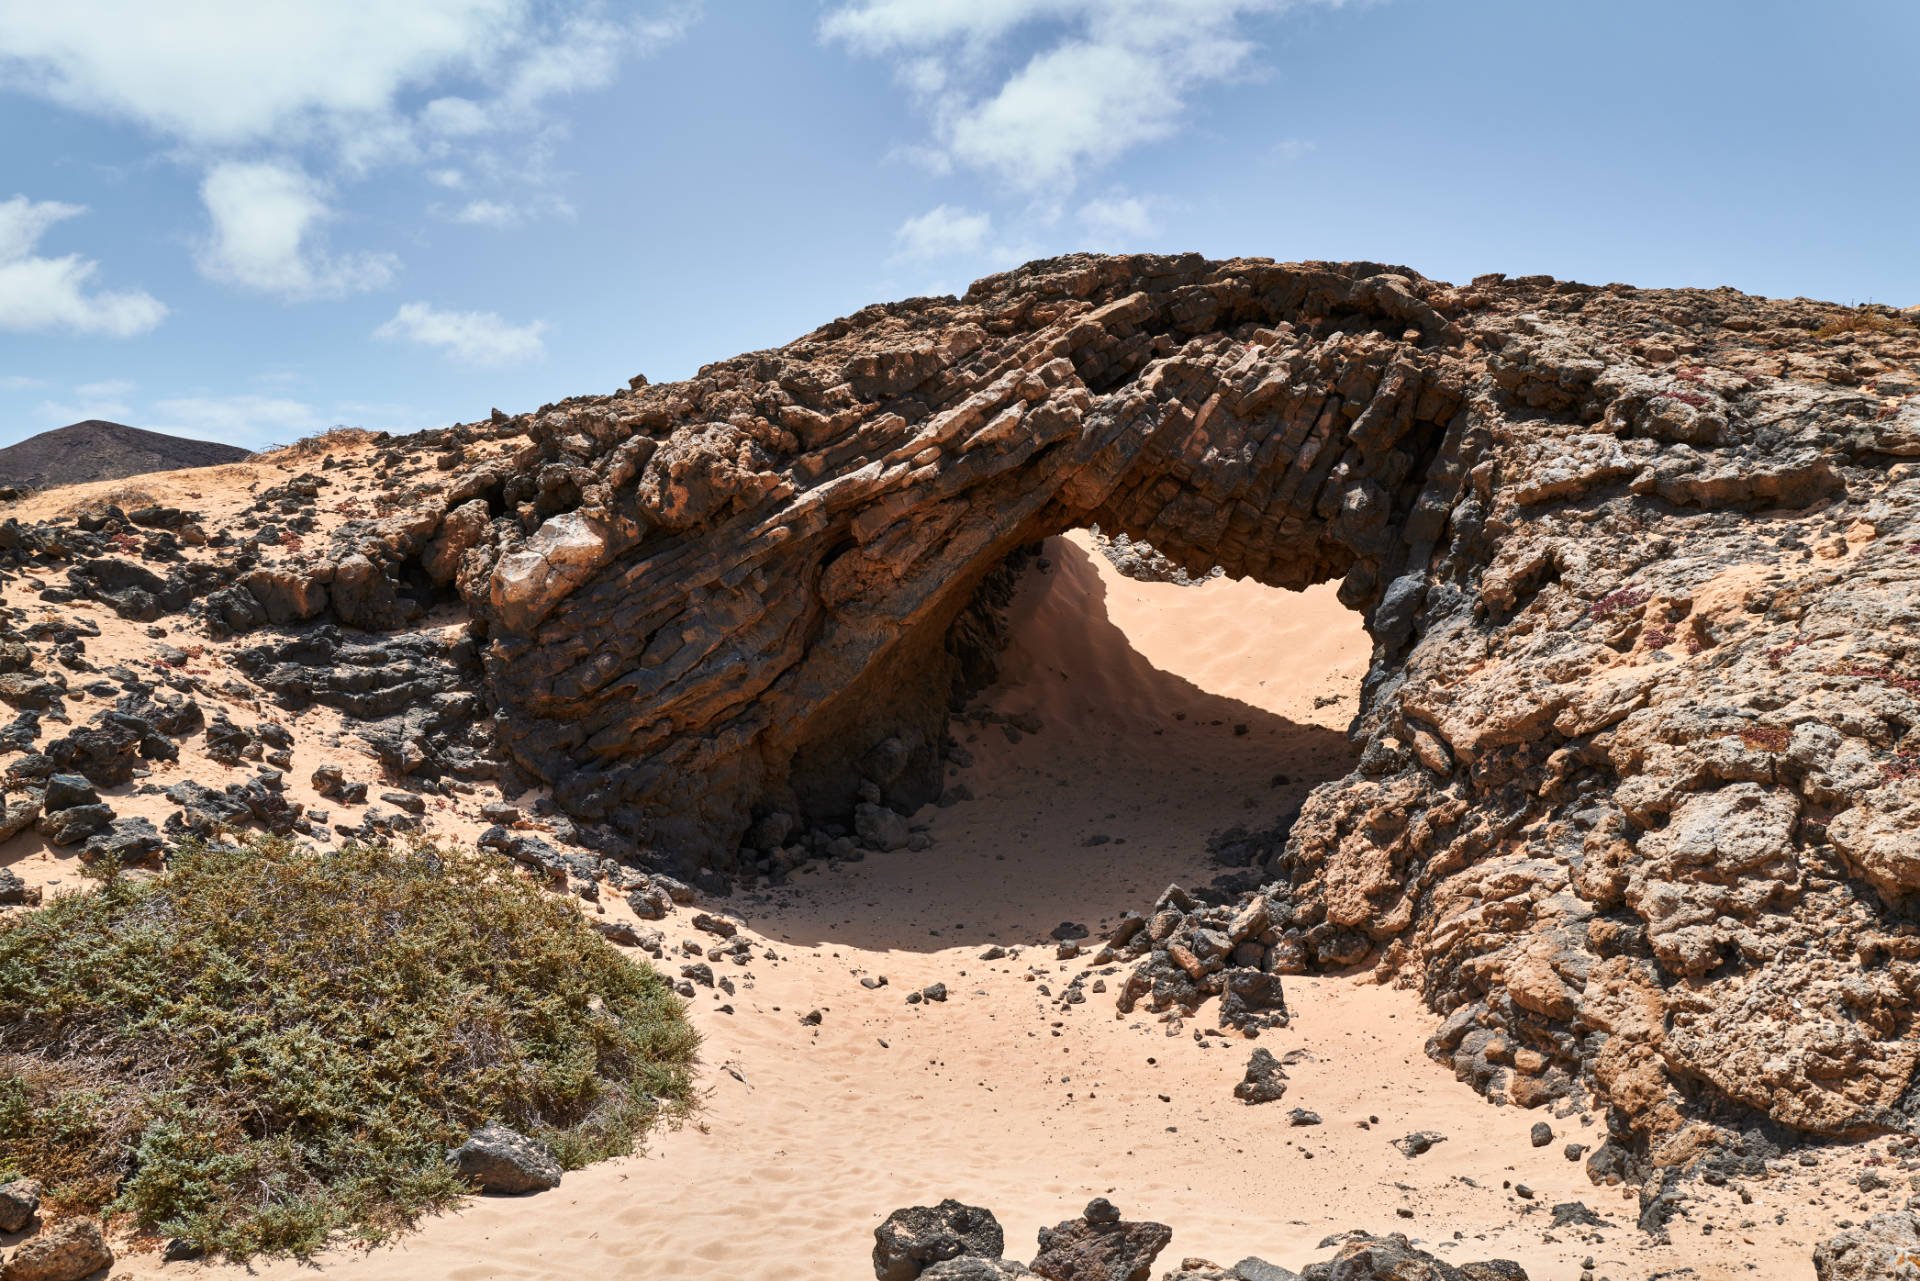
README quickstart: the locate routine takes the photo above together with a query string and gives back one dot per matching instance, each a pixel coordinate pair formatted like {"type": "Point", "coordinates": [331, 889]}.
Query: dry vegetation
{"type": "Point", "coordinates": [318, 445]}
{"type": "Point", "coordinates": [268, 1045]}
{"type": "Point", "coordinates": [1862, 320]}
{"type": "Point", "coordinates": [125, 497]}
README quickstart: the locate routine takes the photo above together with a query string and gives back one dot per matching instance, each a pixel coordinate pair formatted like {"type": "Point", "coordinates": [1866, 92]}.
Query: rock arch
{"type": "Point", "coordinates": [1636, 802]}
{"type": "Point", "coordinates": [765, 590]}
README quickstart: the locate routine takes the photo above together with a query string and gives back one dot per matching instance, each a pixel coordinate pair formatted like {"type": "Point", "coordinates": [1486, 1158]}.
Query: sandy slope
{"type": "Point", "coordinates": [811, 1135]}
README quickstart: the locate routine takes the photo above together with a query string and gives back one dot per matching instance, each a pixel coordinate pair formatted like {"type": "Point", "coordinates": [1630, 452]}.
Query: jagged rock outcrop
{"type": "Point", "coordinates": [1637, 564]}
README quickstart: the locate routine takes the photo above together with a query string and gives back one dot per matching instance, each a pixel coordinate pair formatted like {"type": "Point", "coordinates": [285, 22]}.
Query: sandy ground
{"type": "Point", "coordinates": [1000, 1096]}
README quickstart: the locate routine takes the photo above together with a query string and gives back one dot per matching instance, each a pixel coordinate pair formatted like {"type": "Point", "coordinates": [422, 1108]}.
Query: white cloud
{"type": "Point", "coordinates": [943, 231]}
{"type": "Point", "coordinates": [266, 218]}
{"type": "Point", "coordinates": [111, 389]}
{"type": "Point", "coordinates": [470, 337]}
{"type": "Point", "coordinates": [488, 213]}
{"type": "Point", "coordinates": [58, 413]}
{"type": "Point", "coordinates": [340, 86]}
{"type": "Point", "coordinates": [20, 382]}
{"type": "Point", "coordinates": [451, 179]}
{"type": "Point", "coordinates": [52, 293]}
{"type": "Point", "coordinates": [1109, 75]}
{"type": "Point", "coordinates": [247, 420]}
{"type": "Point", "coordinates": [262, 421]}
{"type": "Point", "coordinates": [234, 73]}
{"type": "Point", "coordinates": [501, 214]}
{"type": "Point", "coordinates": [1292, 149]}
{"type": "Point", "coordinates": [1117, 219]}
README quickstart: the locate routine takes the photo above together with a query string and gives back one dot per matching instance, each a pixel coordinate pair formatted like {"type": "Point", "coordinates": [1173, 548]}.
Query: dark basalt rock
{"type": "Point", "coordinates": [1100, 1246]}
{"type": "Point", "coordinates": [918, 1236]}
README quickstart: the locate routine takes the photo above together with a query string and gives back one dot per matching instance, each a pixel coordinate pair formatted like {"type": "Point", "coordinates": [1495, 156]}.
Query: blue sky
{"type": "Point", "coordinates": [248, 220]}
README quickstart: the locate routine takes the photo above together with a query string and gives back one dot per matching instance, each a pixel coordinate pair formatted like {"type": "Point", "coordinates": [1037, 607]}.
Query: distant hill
{"type": "Point", "coordinates": [97, 450]}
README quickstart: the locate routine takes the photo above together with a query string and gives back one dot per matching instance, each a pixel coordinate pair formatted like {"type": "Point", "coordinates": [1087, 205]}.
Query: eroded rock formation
{"type": "Point", "coordinates": [1634, 803]}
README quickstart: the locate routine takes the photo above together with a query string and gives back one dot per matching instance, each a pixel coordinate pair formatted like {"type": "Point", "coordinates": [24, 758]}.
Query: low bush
{"type": "Point", "coordinates": [267, 1045]}
{"type": "Point", "coordinates": [317, 444]}
{"type": "Point", "coordinates": [1860, 320]}
{"type": "Point", "coordinates": [125, 497]}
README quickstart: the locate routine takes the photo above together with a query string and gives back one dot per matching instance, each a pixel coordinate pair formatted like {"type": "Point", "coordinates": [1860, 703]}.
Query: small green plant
{"type": "Point", "coordinates": [267, 1045]}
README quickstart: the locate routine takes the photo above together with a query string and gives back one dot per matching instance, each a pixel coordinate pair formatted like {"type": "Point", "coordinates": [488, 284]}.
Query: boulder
{"type": "Point", "coordinates": [64, 791]}
{"type": "Point", "coordinates": [917, 1236]}
{"type": "Point", "coordinates": [367, 597]}
{"type": "Point", "coordinates": [75, 824]}
{"type": "Point", "coordinates": [287, 595]}
{"type": "Point", "coordinates": [1884, 1247]}
{"type": "Point", "coordinates": [130, 841]}
{"type": "Point", "coordinates": [15, 892]}
{"type": "Point", "coordinates": [68, 1251]}
{"type": "Point", "coordinates": [1100, 1246]}
{"type": "Point", "coordinates": [1265, 1081]}
{"type": "Point", "coordinates": [19, 1202]}
{"type": "Point", "coordinates": [880, 828]}
{"type": "Point", "coordinates": [498, 1159]}
{"type": "Point", "coordinates": [968, 1268]}
{"type": "Point", "coordinates": [462, 530]}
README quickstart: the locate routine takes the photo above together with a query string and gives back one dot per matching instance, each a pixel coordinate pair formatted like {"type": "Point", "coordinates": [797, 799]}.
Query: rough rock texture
{"type": "Point", "coordinates": [1100, 1246]}
{"type": "Point", "coordinates": [19, 1202]}
{"type": "Point", "coordinates": [967, 1268]}
{"type": "Point", "coordinates": [498, 1159]}
{"type": "Point", "coordinates": [1265, 1081]}
{"type": "Point", "coordinates": [916, 1237]}
{"type": "Point", "coordinates": [67, 1251]}
{"type": "Point", "coordinates": [1885, 1246]}
{"type": "Point", "coordinates": [1639, 568]}
{"type": "Point", "coordinates": [1394, 1258]}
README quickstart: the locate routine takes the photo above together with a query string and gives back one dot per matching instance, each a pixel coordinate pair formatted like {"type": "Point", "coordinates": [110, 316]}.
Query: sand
{"type": "Point", "coordinates": [1166, 713]}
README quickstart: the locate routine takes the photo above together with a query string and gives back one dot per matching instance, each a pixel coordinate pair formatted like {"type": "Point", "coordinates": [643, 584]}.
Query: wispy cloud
{"type": "Point", "coordinates": [40, 293]}
{"type": "Point", "coordinates": [942, 231]}
{"type": "Point", "coordinates": [470, 337]}
{"type": "Point", "coordinates": [1108, 75]}
{"type": "Point", "coordinates": [223, 74]}
{"type": "Point", "coordinates": [266, 228]}
{"type": "Point", "coordinates": [1117, 220]}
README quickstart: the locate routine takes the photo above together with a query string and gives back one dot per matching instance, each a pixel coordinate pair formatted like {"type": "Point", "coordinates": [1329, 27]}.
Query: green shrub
{"type": "Point", "coordinates": [267, 1045]}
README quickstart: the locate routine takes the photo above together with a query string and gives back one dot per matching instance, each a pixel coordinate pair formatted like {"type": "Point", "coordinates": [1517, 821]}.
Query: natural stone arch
{"type": "Point", "coordinates": [774, 598]}
{"type": "Point", "coordinates": [1636, 800]}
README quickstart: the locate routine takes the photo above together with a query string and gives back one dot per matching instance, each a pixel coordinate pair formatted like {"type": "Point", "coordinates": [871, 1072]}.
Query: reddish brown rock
{"type": "Point", "coordinates": [1100, 1246]}
{"type": "Point", "coordinates": [1630, 802]}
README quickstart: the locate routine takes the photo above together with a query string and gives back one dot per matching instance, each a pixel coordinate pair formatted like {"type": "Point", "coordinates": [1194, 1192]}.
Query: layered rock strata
{"type": "Point", "coordinates": [1633, 801]}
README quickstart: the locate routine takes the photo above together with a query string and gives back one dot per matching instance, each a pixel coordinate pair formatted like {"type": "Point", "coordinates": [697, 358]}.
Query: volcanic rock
{"type": "Point", "coordinates": [918, 1236]}
{"type": "Point", "coordinates": [99, 450]}
{"type": "Point", "coordinates": [1881, 1247]}
{"type": "Point", "coordinates": [1265, 1081]}
{"type": "Point", "coordinates": [19, 1202]}
{"type": "Point", "coordinates": [67, 1251]}
{"type": "Point", "coordinates": [498, 1159]}
{"type": "Point", "coordinates": [1100, 1246]}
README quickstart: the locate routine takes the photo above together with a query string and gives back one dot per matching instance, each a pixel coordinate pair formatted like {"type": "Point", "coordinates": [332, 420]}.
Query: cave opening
{"type": "Point", "coordinates": [1142, 725]}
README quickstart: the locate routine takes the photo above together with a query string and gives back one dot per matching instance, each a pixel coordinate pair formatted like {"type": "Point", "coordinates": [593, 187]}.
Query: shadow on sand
{"type": "Point", "coordinates": [1091, 817]}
